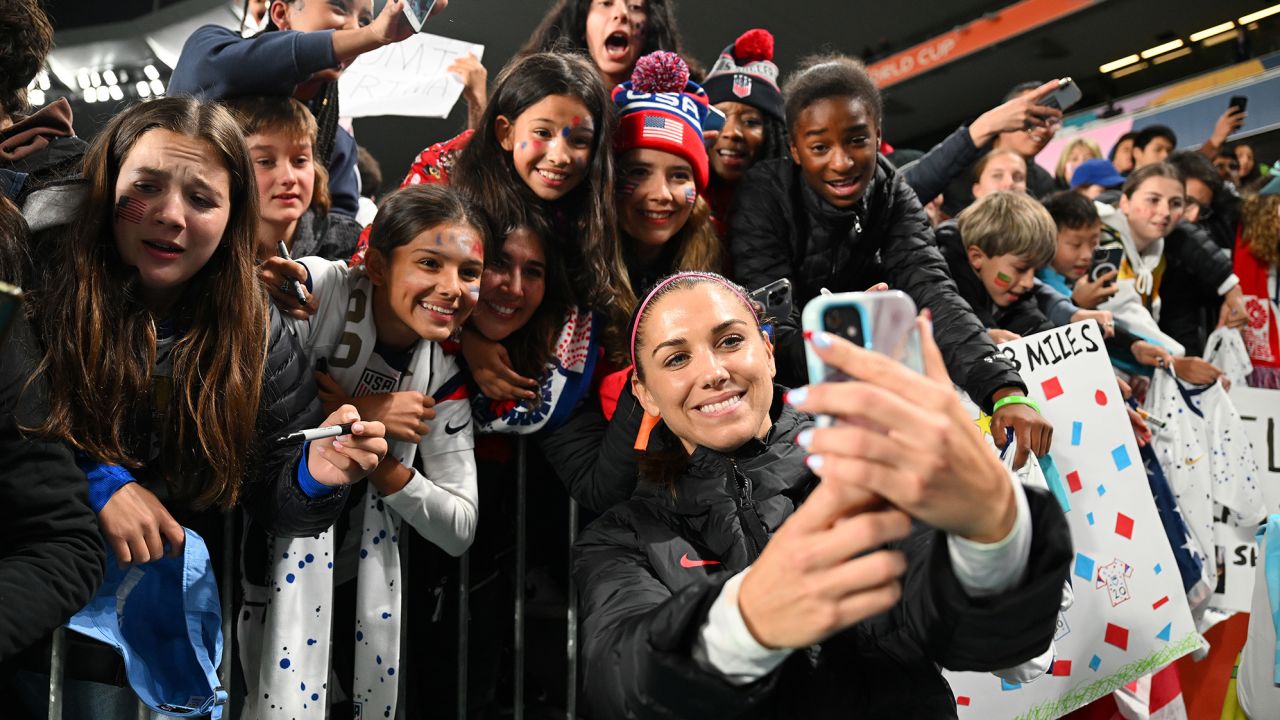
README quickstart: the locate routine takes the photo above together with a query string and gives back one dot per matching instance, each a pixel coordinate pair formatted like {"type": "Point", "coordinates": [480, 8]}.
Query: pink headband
{"type": "Point", "coordinates": [682, 276]}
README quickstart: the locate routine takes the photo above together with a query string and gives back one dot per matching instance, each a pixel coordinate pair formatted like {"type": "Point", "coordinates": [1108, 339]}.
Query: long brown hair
{"type": "Point", "coordinates": [1260, 227]}
{"type": "Point", "coordinates": [100, 339]}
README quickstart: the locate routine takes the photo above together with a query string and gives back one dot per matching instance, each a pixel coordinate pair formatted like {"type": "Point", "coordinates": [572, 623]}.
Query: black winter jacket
{"type": "Point", "coordinates": [782, 229]}
{"type": "Point", "coordinates": [642, 609]}
{"type": "Point", "coordinates": [594, 457]}
{"type": "Point", "coordinates": [952, 158]}
{"type": "Point", "coordinates": [50, 551]}
{"type": "Point", "coordinates": [1195, 268]}
{"type": "Point", "coordinates": [1022, 317]}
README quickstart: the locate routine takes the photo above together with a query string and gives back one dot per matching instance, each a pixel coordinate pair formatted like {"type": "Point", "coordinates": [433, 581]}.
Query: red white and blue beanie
{"type": "Point", "coordinates": [660, 108]}
{"type": "Point", "coordinates": [745, 73]}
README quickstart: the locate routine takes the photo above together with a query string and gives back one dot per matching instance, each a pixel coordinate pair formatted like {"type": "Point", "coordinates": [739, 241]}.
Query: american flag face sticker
{"type": "Point", "coordinates": [660, 128]}
{"type": "Point", "coordinates": [690, 195]}
{"type": "Point", "coordinates": [130, 209]}
{"type": "Point", "coordinates": [628, 188]}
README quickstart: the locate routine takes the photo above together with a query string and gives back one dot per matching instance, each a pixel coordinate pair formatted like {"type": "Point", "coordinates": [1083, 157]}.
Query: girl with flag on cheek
{"type": "Point", "coordinates": [382, 332]}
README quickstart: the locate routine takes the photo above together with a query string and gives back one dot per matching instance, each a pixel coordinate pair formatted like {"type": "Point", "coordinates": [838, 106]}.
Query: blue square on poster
{"type": "Point", "coordinates": [1158, 569]}
{"type": "Point", "coordinates": [1076, 428]}
{"type": "Point", "coordinates": [1084, 567]}
{"type": "Point", "coordinates": [1095, 662]}
{"type": "Point", "coordinates": [1102, 490]}
{"type": "Point", "coordinates": [1090, 516]}
{"type": "Point", "coordinates": [1121, 457]}
{"type": "Point", "coordinates": [1006, 686]}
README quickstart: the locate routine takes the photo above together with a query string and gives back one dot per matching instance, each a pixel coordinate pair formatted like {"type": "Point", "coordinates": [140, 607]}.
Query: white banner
{"type": "Point", "coordinates": [405, 78]}
{"type": "Point", "coordinates": [1130, 616]}
{"type": "Point", "coordinates": [1260, 411]}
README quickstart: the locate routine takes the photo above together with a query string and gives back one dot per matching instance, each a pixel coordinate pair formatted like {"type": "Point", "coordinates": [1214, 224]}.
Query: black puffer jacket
{"type": "Point", "coordinates": [1189, 301]}
{"type": "Point", "coordinates": [782, 229]}
{"type": "Point", "coordinates": [642, 609]}
{"type": "Point", "coordinates": [952, 158]}
{"type": "Point", "coordinates": [50, 550]}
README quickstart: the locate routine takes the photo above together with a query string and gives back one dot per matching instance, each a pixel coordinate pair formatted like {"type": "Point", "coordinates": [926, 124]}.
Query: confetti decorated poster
{"type": "Point", "coordinates": [1130, 615]}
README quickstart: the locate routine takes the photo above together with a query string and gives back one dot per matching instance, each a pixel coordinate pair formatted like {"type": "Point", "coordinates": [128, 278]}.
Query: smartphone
{"type": "Point", "coordinates": [775, 298]}
{"type": "Point", "coordinates": [1239, 101]}
{"type": "Point", "coordinates": [10, 306]}
{"type": "Point", "coordinates": [884, 322]}
{"type": "Point", "coordinates": [1064, 96]}
{"type": "Point", "coordinates": [1104, 261]}
{"type": "Point", "coordinates": [417, 11]}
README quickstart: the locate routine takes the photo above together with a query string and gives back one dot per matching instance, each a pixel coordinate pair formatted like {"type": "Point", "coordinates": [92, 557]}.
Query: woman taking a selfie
{"type": "Point", "coordinates": [697, 591]}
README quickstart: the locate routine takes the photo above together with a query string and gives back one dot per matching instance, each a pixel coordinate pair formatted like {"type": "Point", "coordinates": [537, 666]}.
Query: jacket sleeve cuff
{"type": "Point", "coordinates": [310, 486]}
{"type": "Point", "coordinates": [313, 51]}
{"type": "Point", "coordinates": [986, 569]}
{"type": "Point", "coordinates": [725, 645]}
{"type": "Point", "coordinates": [104, 481]}
{"type": "Point", "coordinates": [1228, 284]}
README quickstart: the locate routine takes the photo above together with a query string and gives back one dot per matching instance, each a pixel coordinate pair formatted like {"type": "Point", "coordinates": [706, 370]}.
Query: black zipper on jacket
{"type": "Point", "coordinates": [753, 528]}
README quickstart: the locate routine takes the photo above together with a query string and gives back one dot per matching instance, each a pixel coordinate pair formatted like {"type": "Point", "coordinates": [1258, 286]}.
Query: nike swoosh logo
{"type": "Point", "coordinates": [685, 562]}
{"type": "Point", "coordinates": [1189, 461]}
{"type": "Point", "coordinates": [451, 430]}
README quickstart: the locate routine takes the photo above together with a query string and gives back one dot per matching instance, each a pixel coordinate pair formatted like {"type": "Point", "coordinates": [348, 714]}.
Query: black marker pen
{"type": "Point", "coordinates": [283, 251]}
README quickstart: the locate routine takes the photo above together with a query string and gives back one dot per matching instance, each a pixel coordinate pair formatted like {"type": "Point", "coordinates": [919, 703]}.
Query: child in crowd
{"type": "Point", "coordinates": [613, 34]}
{"type": "Point", "coordinates": [168, 374]}
{"type": "Point", "coordinates": [1151, 205]}
{"type": "Point", "coordinates": [999, 170]}
{"type": "Point", "coordinates": [293, 190]}
{"type": "Point", "coordinates": [1076, 152]}
{"type": "Point", "coordinates": [541, 149]}
{"type": "Point", "coordinates": [743, 84]}
{"type": "Point", "coordinates": [663, 222]}
{"type": "Point", "coordinates": [836, 215]}
{"type": "Point", "coordinates": [1079, 230]}
{"type": "Point", "coordinates": [1098, 180]}
{"type": "Point", "coordinates": [1122, 153]}
{"type": "Point", "coordinates": [1152, 145]}
{"type": "Point", "coordinates": [380, 334]}
{"type": "Point", "coordinates": [994, 249]}
{"type": "Point", "coordinates": [302, 52]}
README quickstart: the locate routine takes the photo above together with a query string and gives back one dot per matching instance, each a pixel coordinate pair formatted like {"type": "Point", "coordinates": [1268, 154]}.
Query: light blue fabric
{"type": "Point", "coordinates": [1269, 541]}
{"type": "Point", "coordinates": [1054, 279]}
{"type": "Point", "coordinates": [1054, 480]}
{"type": "Point", "coordinates": [164, 618]}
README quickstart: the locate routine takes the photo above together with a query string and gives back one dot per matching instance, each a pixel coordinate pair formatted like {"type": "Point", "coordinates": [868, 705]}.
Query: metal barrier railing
{"type": "Point", "coordinates": [58, 653]}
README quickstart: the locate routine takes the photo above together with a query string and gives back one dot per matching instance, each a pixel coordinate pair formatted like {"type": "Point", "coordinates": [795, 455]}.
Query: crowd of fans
{"type": "Point", "coordinates": [216, 271]}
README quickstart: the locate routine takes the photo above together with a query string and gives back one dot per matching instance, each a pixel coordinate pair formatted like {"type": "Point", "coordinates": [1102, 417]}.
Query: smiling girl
{"type": "Point", "coordinates": [743, 84]}
{"type": "Point", "coordinates": [837, 215]}
{"type": "Point", "coordinates": [381, 331]}
{"type": "Point", "coordinates": [613, 33]}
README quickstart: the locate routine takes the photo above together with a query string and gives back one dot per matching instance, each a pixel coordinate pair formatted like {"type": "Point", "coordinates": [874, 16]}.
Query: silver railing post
{"type": "Point", "coordinates": [571, 644]}
{"type": "Point", "coordinates": [464, 623]}
{"type": "Point", "coordinates": [522, 560]}
{"type": "Point", "coordinates": [57, 664]}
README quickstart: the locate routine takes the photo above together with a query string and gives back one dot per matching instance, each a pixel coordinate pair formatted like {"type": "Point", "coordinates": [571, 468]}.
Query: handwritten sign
{"type": "Point", "coordinates": [405, 78]}
{"type": "Point", "coordinates": [1130, 615]}
{"type": "Point", "coordinates": [1260, 411]}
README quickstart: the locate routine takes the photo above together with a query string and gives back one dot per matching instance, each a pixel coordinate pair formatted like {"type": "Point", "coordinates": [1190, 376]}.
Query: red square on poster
{"type": "Point", "coordinates": [1124, 526]}
{"type": "Point", "coordinates": [1073, 481]}
{"type": "Point", "coordinates": [1117, 636]}
{"type": "Point", "coordinates": [962, 700]}
{"type": "Point", "coordinates": [1061, 668]}
{"type": "Point", "coordinates": [1052, 388]}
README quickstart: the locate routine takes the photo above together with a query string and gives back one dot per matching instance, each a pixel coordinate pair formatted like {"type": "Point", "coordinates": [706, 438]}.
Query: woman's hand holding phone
{"type": "Point", "coordinates": [930, 461]}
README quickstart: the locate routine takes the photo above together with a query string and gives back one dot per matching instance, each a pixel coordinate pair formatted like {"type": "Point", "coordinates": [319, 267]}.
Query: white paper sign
{"type": "Point", "coordinates": [405, 78]}
{"type": "Point", "coordinates": [1260, 411]}
{"type": "Point", "coordinates": [1237, 554]}
{"type": "Point", "coordinates": [1130, 615]}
